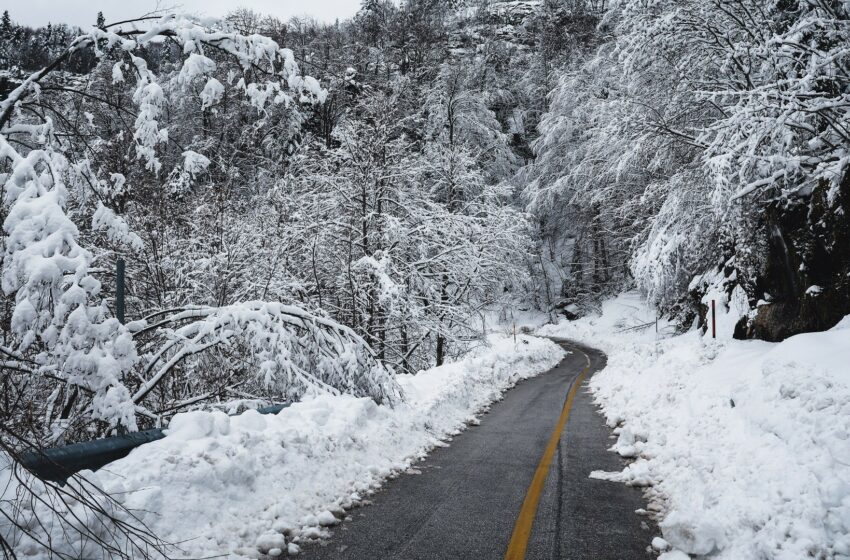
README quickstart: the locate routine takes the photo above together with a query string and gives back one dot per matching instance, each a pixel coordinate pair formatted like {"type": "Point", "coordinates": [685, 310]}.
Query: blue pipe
{"type": "Point", "coordinates": [59, 463]}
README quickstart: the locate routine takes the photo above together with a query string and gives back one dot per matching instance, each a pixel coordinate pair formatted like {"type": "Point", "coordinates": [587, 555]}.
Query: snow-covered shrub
{"type": "Point", "coordinates": [291, 351]}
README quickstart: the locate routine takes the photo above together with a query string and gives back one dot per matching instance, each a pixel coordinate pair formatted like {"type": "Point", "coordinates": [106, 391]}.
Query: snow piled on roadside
{"type": "Point", "coordinates": [253, 486]}
{"type": "Point", "coordinates": [745, 444]}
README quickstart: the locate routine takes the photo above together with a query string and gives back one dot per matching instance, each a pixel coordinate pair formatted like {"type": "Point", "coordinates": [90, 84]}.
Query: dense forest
{"type": "Point", "coordinates": [286, 194]}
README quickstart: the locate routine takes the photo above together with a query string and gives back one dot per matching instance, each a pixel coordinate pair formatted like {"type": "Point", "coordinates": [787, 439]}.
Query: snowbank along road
{"type": "Point", "coordinates": [515, 487]}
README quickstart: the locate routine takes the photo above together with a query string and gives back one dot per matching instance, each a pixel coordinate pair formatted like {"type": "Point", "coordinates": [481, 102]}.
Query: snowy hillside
{"type": "Point", "coordinates": [744, 446]}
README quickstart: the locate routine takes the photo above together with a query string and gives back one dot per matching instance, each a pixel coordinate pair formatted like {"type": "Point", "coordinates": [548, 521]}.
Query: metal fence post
{"type": "Point", "coordinates": [119, 290]}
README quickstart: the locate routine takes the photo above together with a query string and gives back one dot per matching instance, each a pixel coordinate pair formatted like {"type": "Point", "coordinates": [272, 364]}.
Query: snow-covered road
{"type": "Point", "coordinates": [464, 500]}
{"type": "Point", "coordinates": [253, 486]}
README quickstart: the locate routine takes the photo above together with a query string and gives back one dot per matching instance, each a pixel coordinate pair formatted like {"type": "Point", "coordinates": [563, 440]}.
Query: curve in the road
{"type": "Point", "coordinates": [468, 501]}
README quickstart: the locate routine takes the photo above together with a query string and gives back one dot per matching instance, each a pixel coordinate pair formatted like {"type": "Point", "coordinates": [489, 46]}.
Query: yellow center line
{"type": "Point", "coordinates": [525, 521]}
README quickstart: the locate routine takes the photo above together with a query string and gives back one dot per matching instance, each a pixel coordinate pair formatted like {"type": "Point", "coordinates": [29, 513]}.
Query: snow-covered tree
{"type": "Point", "coordinates": [687, 125]}
{"type": "Point", "coordinates": [73, 184]}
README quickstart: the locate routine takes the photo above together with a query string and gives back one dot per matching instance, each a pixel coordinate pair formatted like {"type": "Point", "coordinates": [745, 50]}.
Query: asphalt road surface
{"type": "Point", "coordinates": [476, 499]}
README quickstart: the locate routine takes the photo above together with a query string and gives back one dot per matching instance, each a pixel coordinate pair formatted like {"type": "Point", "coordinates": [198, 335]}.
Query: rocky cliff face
{"type": "Point", "coordinates": [796, 280]}
{"type": "Point", "coordinates": [806, 280]}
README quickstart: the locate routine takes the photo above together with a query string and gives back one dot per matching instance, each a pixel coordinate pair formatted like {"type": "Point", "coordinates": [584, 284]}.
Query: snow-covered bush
{"type": "Point", "coordinates": [291, 351]}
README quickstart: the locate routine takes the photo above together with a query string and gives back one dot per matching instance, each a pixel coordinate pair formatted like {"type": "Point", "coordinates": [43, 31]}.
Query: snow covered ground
{"type": "Point", "coordinates": [744, 445]}
{"type": "Point", "coordinates": [252, 485]}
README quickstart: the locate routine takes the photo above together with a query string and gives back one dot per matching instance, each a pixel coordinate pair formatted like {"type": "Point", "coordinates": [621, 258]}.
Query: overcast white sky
{"type": "Point", "coordinates": [84, 12]}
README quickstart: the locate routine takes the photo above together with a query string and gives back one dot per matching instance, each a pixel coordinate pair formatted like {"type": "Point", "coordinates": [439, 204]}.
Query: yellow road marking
{"type": "Point", "coordinates": [525, 521]}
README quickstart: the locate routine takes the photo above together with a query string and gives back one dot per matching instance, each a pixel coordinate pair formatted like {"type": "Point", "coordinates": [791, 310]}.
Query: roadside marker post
{"type": "Point", "coordinates": [657, 350]}
{"type": "Point", "coordinates": [713, 321]}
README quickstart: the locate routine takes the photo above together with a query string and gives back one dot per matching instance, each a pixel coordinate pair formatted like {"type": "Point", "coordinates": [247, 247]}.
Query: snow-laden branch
{"type": "Point", "coordinates": [58, 318]}
{"type": "Point", "coordinates": [293, 350]}
{"type": "Point", "coordinates": [194, 35]}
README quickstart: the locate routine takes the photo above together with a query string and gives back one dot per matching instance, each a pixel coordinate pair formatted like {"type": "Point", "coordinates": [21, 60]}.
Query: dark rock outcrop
{"type": "Point", "coordinates": [807, 274]}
